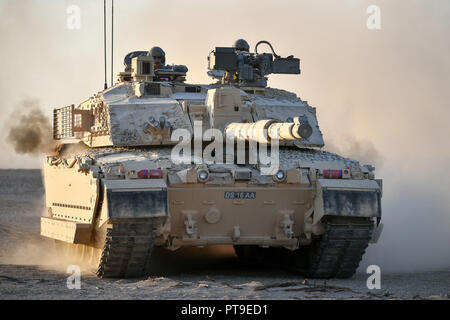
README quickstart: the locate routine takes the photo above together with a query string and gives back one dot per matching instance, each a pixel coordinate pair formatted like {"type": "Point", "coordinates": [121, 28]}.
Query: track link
{"type": "Point", "coordinates": [339, 251]}
{"type": "Point", "coordinates": [127, 249]}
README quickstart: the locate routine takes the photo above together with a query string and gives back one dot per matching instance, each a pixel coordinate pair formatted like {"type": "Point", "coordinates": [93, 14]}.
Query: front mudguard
{"type": "Point", "coordinates": [348, 198]}
{"type": "Point", "coordinates": [134, 199]}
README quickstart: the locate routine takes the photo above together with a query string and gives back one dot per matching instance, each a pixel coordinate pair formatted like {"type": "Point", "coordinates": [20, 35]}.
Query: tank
{"type": "Point", "coordinates": [154, 161]}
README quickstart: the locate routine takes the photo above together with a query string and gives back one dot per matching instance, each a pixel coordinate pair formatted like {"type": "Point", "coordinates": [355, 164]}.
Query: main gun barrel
{"type": "Point", "coordinates": [263, 131]}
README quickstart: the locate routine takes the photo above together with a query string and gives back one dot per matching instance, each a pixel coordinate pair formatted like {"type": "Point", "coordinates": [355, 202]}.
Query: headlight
{"type": "Point", "coordinates": [279, 176]}
{"type": "Point", "coordinates": [203, 175]}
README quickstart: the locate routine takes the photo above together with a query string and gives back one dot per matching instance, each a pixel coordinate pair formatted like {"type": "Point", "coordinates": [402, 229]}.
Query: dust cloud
{"type": "Point", "coordinates": [362, 150]}
{"type": "Point", "coordinates": [29, 129]}
{"type": "Point", "coordinates": [36, 251]}
{"type": "Point", "coordinates": [381, 95]}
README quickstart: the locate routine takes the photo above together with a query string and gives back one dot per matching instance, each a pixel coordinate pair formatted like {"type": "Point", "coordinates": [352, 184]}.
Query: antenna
{"type": "Point", "coordinates": [104, 37]}
{"type": "Point", "coordinates": [112, 42]}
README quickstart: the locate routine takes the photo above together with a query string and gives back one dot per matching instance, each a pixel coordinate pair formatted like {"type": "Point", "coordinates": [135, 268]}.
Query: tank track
{"type": "Point", "coordinates": [340, 249]}
{"type": "Point", "coordinates": [335, 254]}
{"type": "Point", "coordinates": [127, 249]}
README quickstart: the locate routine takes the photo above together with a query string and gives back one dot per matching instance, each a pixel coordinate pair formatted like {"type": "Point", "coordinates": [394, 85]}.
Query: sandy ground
{"type": "Point", "coordinates": [29, 268]}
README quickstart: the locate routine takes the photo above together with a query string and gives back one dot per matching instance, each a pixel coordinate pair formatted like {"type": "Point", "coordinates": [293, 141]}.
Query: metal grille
{"type": "Point", "coordinates": [63, 122]}
{"type": "Point", "coordinates": [152, 89]}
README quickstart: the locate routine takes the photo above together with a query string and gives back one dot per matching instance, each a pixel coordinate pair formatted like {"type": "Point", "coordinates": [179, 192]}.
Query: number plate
{"type": "Point", "coordinates": [240, 195]}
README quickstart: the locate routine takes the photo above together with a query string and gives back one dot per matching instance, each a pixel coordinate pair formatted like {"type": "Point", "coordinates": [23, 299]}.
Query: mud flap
{"type": "Point", "coordinates": [136, 198]}
{"type": "Point", "coordinates": [349, 198]}
{"type": "Point", "coordinates": [376, 233]}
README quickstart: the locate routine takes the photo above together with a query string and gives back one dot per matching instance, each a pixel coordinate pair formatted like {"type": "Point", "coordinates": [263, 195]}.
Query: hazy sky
{"type": "Point", "coordinates": [382, 96]}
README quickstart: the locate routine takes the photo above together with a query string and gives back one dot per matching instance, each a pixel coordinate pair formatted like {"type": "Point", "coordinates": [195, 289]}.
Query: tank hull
{"type": "Point", "coordinates": [113, 221]}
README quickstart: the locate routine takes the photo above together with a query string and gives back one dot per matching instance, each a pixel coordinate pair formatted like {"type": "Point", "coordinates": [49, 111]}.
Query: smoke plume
{"type": "Point", "coordinates": [30, 131]}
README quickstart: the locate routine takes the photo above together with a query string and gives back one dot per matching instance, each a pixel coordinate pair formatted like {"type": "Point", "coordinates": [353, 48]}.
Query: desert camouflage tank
{"type": "Point", "coordinates": [155, 161]}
